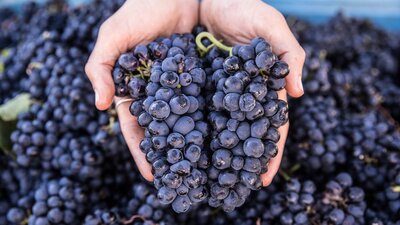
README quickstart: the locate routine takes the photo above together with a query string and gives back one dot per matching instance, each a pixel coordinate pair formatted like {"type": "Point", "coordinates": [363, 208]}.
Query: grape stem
{"type": "Point", "coordinates": [213, 40]}
{"type": "Point", "coordinates": [133, 218]}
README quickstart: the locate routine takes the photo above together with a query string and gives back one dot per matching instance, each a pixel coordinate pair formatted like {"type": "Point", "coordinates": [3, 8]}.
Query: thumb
{"type": "Point", "coordinates": [295, 60]}
{"type": "Point", "coordinates": [112, 40]}
{"type": "Point", "coordinates": [284, 44]}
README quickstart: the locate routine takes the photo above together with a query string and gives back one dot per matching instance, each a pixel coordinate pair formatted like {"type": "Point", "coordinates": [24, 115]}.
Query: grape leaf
{"type": "Point", "coordinates": [9, 111]}
{"type": "Point", "coordinates": [8, 118]}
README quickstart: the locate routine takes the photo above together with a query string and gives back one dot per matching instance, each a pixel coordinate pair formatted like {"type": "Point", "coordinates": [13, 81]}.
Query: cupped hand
{"type": "Point", "coordinates": [238, 22]}
{"type": "Point", "coordinates": [136, 22]}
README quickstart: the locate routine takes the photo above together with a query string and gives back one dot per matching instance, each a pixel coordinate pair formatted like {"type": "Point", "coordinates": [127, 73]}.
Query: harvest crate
{"type": "Point", "coordinates": [386, 13]}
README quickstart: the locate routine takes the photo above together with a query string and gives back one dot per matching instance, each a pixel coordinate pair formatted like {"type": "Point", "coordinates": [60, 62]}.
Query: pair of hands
{"type": "Point", "coordinates": [234, 21]}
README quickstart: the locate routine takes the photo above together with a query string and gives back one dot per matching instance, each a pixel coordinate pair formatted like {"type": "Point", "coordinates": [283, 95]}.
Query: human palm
{"type": "Point", "coordinates": [136, 22]}
{"type": "Point", "coordinates": [238, 22]}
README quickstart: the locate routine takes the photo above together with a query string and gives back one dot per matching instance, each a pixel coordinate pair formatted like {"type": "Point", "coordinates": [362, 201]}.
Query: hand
{"type": "Point", "coordinates": [136, 22]}
{"type": "Point", "coordinates": [238, 22]}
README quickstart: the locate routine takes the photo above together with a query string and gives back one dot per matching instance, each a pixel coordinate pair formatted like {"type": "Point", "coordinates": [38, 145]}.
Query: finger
{"type": "Point", "coordinates": [112, 40]}
{"type": "Point", "coordinates": [99, 66]}
{"type": "Point", "coordinates": [295, 60]}
{"type": "Point", "coordinates": [275, 162]}
{"type": "Point", "coordinates": [284, 44]}
{"type": "Point", "coordinates": [133, 134]}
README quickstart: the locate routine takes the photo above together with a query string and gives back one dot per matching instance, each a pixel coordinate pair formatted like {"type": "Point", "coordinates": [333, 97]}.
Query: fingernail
{"type": "Point", "coordinates": [300, 85]}
{"type": "Point", "coordinates": [96, 96]}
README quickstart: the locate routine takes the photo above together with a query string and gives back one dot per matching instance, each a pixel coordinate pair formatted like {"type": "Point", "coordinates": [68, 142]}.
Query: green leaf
{"type": "Point", "coordinates": [5, 52]}
{"type": "Point", "coordinates": [396, 188]}
{"type": "Point", "coordinates": [9, 111]}
{"type": "Point", "coordinates": [8, 119]}
{"type": "Point", "coordinates": [6, 128]}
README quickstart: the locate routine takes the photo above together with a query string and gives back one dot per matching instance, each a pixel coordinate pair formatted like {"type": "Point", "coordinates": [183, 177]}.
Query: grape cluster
{"type": "Point", "coordinates": [170, 108]}
{"type": "Point", "coordinates": [58, 202]}
{"type": "Point", "coordinates": [141, 207]}
{"type": "Point", "coordinates": [293, 205]}
{"type": "Point", "coordinates": [320, 141]}
{"type": "Point", "coordinates": [245, 115]}
{"type": "Point", "coordinates": [342, 203]}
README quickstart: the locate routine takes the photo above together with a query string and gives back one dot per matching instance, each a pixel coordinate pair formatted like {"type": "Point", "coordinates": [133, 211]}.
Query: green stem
{"type": "Point", "coordinates": [295, 168]}
{"type": "Point", "coordinates": [213, 40]}
{"type": "Point", "coordinates": [285, 176]}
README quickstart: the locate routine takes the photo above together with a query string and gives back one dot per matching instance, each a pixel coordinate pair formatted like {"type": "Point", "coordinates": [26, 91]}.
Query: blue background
{"type": "Point", "coordinates": [385, 13]}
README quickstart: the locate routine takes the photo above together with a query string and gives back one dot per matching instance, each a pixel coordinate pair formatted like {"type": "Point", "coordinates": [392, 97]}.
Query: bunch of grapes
{"type": "Point", "coordinates": [245, 115]}
{"type": "Point", "coordinates": [169, 105]}
{"type": "Point", "coordinates": [320, 141]}
{"type": "Point", "coordinates": [342, 203]}
{"type": "Point", "coordinates": [58, 202]}
{"type": "Point", "coordinates": [141, 207]}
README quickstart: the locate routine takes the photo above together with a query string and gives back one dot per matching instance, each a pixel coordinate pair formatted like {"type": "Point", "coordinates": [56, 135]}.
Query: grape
{"type": "Point", "coordinates": [169, 64]}
{"type": "Point", "coordinates": [259, 128]}
{"type": "Point", "coordinates": [219, 192]}
{"type": "Point", "coordinates": [159, 110]}
{"type": "Point", "coordinates": [182, 190]}
{"type": "Point", "coordinates": [158, 128]}
{"type": "Point", "coordinates": [253, 147]}
{"type": "Point", "coordinates": [251, 68]}
{"type": "Point", "coordinates": [164, 94]}
{"type": "Point", "coordinates": [172, 180]}
{"type": "Point", "coordinates": [197, 195]}
{"type": "Point", "coordinates": [166, 195]}
{"type": "Point", "coordinates": [169, 79]}
{"type": "Point", "coordinates": [258, 111]}
{"type": "Point", "coordinates": [182, 167]}
{"type": "Point", "coordinates": [217, 100]}
{"type": "Point", "coordinates": [192, 89]}
{"type": "Point", "coordinates": [185, 79]}
{"type": "Point", "coordinates": [136, 87]}
{"type": "Point", "coordinates": [276, 84]}
{"type": "Point", "coordinates": [228, 139]}
{"type": "Point", "coordinates": [233, 85]}
{"type": "Point", "coordinates": [198, 76]}
{"type": "Point", "coordinates": [221, 159]}
{"type": "Point", "coordinates": [194, 104]}
{"type": "Point", "coordinates": [231, 102]}
{"type": "Point", "coordinates": [128, 61]}
{"type": "Point", "coordinates": [231, 64]}
{"type": "Point", "coordinates": [247, 102]}
{"type": "Point", "coordinates": [227, 179]}
{"type": "Point", "coordinates": [279, 70]}
{"type": "Point", "coordinates": [180, 104]}
{"type": "Point", "coordinates": [232, 125]}
{"type": "Point", "coordinates": [258, 90]}
{"type": "Point", "coordinates": [15, 215]}
{"type": "Point", "coordinates": [184, 125]}
{"type": "Point", "coordinates": [195, 137]}
{"type": "Point", "coordinates": [181, 204]}
{"type": "Point", "coordinates": [237, 163]}
{"type": "Point", "coordinates": [192, 153]}
{"type": "Point", "coordinates": [159, 142]}
{"type": "Point", "coordinates": [246, 52]}
{"type": "Point", "coordinates": [171, 120]}
{"type": "Point", "coordinates": [174, 156]}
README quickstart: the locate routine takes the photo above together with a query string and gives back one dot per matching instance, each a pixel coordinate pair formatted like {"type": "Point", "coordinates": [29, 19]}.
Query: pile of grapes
{"type": "Point", "coordinates": [211, 116]}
